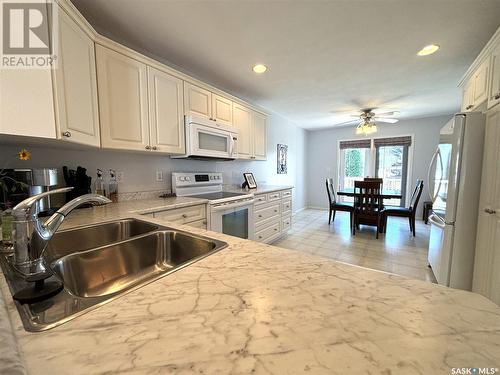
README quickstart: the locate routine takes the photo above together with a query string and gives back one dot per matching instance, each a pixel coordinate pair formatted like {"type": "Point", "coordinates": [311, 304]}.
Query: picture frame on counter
{"type": "Point", "coordinates": [249, 181]}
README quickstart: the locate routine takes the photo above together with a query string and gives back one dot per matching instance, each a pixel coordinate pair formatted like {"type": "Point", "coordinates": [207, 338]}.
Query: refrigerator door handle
{"type": "Point", "coordinates": [431, 165]}
{"type": "Point", "coordinates": [436, 220]}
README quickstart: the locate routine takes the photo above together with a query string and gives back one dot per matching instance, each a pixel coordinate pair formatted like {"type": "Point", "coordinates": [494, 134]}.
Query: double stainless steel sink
{"type": "Point", "coordinates": [98, 263]}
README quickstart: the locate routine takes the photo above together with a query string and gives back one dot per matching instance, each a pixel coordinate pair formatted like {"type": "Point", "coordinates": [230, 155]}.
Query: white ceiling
{"type": "Point", "coordinates": [323, 56]}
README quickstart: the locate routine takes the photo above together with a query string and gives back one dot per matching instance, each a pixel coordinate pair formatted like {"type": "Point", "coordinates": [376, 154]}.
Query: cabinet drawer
{"type": "Point", "coordinates": [273, 196]}
{"type": "Point", "coordinates": [267, 212]}
{"type": "Point", "coordinates": [260, 199]}
{"type": "Point", "coordinates": [268, 233]}
{"type": "Point", "coordinates": [286, 194]}
{"type": "Point", "coordinates": [183, 215]}
{"type": "Point", "coordinates": [286, 206]}
{"type": "Point", "coordinates": [286, 223]}
{"type": "Point", "coordinates": [201, 224]}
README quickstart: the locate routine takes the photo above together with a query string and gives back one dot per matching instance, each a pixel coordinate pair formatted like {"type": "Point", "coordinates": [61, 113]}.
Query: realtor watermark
{"type": "Point", "coordinates": [474, 370]}
{"type": "Point", "coordinates": [29, 34]}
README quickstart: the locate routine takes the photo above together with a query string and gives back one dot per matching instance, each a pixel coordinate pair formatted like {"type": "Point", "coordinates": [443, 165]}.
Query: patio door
{"type": "Point", "coordinates": [391, 164]}
{"type": "Point", "coordinates": [355, 164]}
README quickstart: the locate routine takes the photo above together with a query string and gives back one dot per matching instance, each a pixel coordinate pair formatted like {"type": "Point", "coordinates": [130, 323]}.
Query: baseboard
{"type": "Point", "coordinates": [317, 208]}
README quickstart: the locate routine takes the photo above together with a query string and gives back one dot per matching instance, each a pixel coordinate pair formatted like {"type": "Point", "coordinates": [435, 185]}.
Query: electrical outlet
{"type": "Point", "coordinates": [159, 176]}
{"type": "Point", "coordinates": [120, 176]}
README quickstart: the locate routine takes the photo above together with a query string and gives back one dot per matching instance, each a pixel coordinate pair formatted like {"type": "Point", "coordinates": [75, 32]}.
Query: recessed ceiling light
{"type": "Point", "coordinates": [259, 68]}
{"type": "Point", "coordinates": [428, 50]}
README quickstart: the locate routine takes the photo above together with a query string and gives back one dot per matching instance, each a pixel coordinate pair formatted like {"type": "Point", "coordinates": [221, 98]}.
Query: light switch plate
{"type": "Point", "coordinates": [159, 176]}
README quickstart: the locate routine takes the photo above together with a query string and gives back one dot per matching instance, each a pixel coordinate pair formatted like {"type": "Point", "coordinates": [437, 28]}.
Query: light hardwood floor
{"type": "Point", "coordinates": [397, 251]}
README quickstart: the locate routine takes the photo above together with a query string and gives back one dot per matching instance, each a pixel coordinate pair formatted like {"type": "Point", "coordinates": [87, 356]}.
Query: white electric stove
{"type": "Point", "coordinates": [228, 212]}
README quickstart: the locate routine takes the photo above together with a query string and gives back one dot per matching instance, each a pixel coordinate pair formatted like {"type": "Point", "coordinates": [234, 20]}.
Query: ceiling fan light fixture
{"type": "Point", "coordinates": [428, 50]}
{"type": "Point", "coordinates": [366, 128]}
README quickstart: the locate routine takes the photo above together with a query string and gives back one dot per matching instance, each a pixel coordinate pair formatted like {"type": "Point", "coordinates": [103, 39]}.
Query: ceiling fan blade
{"type": "Point", "coordinates": [386, 114]}
{"type": "Point", "coordinates": [346, 122]}
{"type": "Point", "coordinates": [387, 120]}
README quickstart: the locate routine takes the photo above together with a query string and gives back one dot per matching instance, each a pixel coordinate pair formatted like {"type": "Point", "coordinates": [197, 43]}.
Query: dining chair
{"type": "Point", "coordinates": [337, 206]}
{"type": "Point", "coordinates": [409, 211]}
{"type": "Point", "coordinates": [368, 204]}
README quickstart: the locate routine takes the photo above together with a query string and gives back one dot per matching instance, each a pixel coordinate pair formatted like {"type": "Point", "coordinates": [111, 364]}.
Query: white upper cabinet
{"type": "Point", "coordinates": [494, 90]}
{"type": "Point", "coordinates": [468, 96]}
{"type": "Point", "coordinates": [481, 83]}
{"type": "Point", "coordinates": [123, 100]}
{"type": "Point", "coordinates": [204, 103]}
{"type": "Point", "coordinates": [75, 85]}
{"type": "Point", "coordinates": [197, 101]}
{"type": "Point", "coordinates": [475, 90]}
{"type": "Point", "coordinates": [259, 135]}
{"type": "Point", "coordinates": [222, 109]}
{"type": "Point", "coordinates": [242, 117]}
{"type": "Point", "coordinates": [166, 106]}
{"type": "Point", "coordinates": [27, 103]}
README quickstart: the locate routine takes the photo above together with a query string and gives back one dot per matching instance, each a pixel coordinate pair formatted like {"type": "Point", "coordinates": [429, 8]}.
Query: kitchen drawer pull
{"type": "Point", "coordinates": [148, 147]}
{"type": "Point", "coordinates": [184, 216]}
{"type": "Point", "coordinates": [260, 215]}
{"type": "Point", "coordinates": [490, 211]}
{"type": "Point", "coordinates": [275, 229]}
{"type": "Point", "coordinates": [155, 148]}
{"type": "Point", "coordinates": [67, 134]}
{"type": "Point", "coordinates": [497, 96]}
{"type": "Point", "coordinates": [275, 210]}
{"type": "Point", "coordinates": [469, 106]}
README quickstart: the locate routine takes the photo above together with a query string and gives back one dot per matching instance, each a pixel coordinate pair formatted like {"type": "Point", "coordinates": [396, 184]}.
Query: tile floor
{"type": "Point", "coordinates": [397, 251]}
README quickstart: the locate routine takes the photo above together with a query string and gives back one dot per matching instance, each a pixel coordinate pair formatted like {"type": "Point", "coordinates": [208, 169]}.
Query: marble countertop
{"type": "Point", "coordinates": [261, 189]}
{"type": "Point", "coordinates": [257, 308]}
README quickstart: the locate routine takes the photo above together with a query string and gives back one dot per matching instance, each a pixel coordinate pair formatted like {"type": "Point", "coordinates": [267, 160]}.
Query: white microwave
{"type": "Point", "coordinates": [207, 139]}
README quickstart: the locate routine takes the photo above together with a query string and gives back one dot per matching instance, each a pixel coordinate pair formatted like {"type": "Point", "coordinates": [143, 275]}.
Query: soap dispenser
{"type": "Point", "coordinates": [113, 186]}
{"type": "Point", "coordinates": [100, 185]}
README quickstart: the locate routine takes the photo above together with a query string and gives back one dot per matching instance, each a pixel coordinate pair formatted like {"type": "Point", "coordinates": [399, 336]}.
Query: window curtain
{"type": "Point", "coordinates": [395, 141]}
{"type": "Point", "coordinates": [359, 143]}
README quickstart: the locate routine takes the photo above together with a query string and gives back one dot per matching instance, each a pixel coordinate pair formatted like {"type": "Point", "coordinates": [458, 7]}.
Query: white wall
{"type": "Point", "coordinates": [140, 169]}
{"type": "Point", "coordinates": [322, 158]}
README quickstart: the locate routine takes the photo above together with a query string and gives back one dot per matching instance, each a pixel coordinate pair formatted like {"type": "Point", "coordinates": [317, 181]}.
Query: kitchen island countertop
{"type": "Point", "coordinates": [255, 308]}
{"type": "Point", "coordinates": [261, 189]}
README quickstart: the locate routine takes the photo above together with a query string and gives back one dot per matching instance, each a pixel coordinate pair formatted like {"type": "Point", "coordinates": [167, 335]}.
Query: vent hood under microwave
{"type": "Point", "coordinates": [207, 139]}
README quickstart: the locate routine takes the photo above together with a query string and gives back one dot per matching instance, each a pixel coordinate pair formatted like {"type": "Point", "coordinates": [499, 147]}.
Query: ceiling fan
{"type": "Point", "coordinates": [368, 118]}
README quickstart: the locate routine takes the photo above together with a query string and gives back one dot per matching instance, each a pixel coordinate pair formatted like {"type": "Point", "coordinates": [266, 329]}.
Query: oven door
{"type": "Point", "coordinates": [234, 219]}
{"type": "Point", "coordinates": [207, 141]}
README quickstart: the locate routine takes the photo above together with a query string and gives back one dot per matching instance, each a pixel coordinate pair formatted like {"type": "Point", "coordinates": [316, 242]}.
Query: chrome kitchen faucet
{"type": "Point", "coordinates": [31, 235]}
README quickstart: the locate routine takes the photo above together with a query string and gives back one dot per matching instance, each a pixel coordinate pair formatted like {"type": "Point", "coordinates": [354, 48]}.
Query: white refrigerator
{"type": "Point", "coordinates": [454, 185]}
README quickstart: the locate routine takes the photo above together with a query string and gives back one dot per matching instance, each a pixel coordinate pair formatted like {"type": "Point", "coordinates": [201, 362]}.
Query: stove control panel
{"type": "Point", "coordinates": [197, 179]}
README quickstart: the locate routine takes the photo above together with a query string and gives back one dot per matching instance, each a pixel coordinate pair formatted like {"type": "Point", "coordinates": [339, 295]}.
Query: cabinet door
{"type": "Point", "coordinates": [259, 135]}
{"type": "Point", "coordinates": [122, 88]}
{"type": "Point", "coordinates": [76, 85]}
{"type": "Point", "coordinates": [222, 110]}
{"type": "Point", "coordinates": [242, 120]}
{"type": "Point", "coordinates": [481, 83]}
{"type": "Point", "coordinates": [197, 101]}
{"type": "Point", "coordinates": [494, 91]}
{"type": "Point", "coordinates": [468, 95]}
{"type": "Point", "coordinates": [26, 102]}
{"type": "Point", "coordinates": [487, 250]}
{"type": "Point", "coordinates": [166, 119]}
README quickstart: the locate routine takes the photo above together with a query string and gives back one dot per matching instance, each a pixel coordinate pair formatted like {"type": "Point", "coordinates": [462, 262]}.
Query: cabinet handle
{"type": "Point", "coordinates": [497, 96]}
{"type": "Point", "coordinates": [184, 216]}
{"type": "Point", "coordinates": [469, 106]}
{"type": "Point", "coordinates": [275, 210]}
{"type": "Point", "coordinates": [275, 229]}
{"type": "Point", "coordinates": [260, 237]}
{"type": "Point", "coordinates": [148, 147]}
{"type": "Point", "coordinates": [490, 211]}
{"type": "Point", "coordinates": [260, 215]}
{"type": "Point", "coordinates": [67, 134]}
{"type": "Point", "coordinates": [155, 148]}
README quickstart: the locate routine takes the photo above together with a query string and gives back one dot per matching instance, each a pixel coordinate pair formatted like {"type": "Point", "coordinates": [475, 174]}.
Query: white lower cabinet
{"type": "Point", "coordinates": [195, 216]}
{"type": "Point", "coordinates": [272, 215]}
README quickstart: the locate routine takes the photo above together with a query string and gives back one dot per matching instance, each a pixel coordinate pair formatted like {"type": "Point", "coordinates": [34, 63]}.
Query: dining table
{"type": "Point", "coordinates": [383, 195]}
